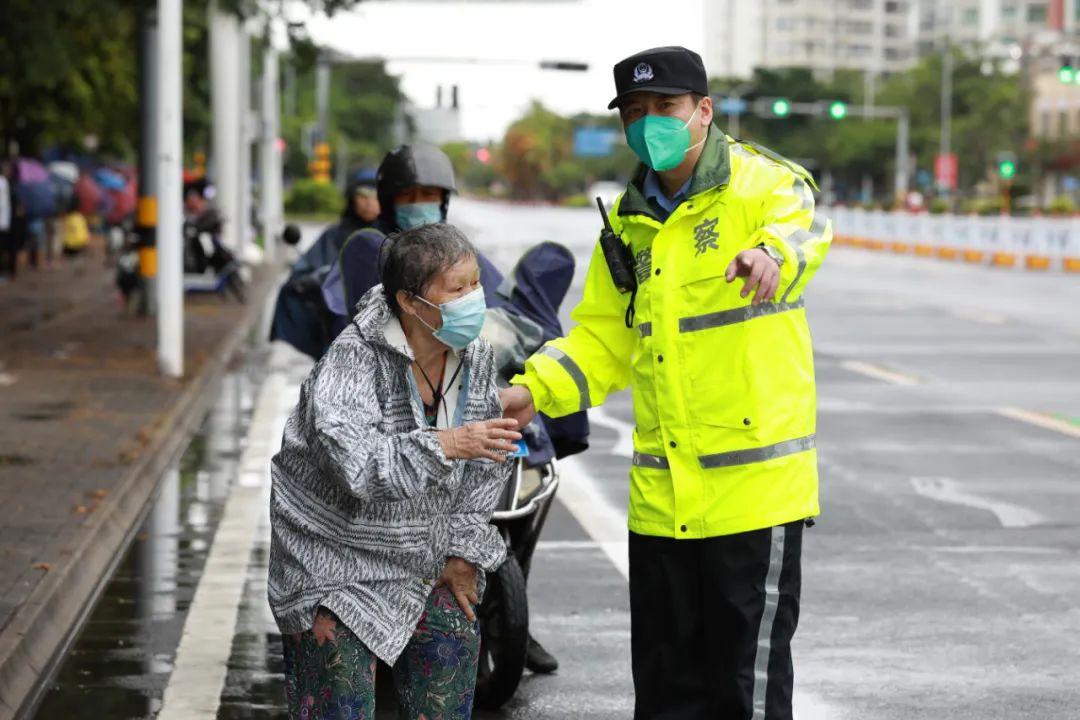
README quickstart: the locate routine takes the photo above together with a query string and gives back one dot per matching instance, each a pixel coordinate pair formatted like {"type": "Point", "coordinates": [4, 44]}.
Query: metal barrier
{"type": "Point", "coordinates": [1028, 243]}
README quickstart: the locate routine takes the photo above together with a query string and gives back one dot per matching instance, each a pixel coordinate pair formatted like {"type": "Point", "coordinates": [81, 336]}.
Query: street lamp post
{"type": "Point", "coordinates": [170, 280]}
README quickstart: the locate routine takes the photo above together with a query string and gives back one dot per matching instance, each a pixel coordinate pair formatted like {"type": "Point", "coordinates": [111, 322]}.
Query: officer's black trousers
{"type": "Point", "coordinates": [712, 622]}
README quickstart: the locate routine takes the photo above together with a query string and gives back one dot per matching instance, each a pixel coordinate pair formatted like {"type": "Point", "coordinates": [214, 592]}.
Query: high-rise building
{"type": "Point", "coordinates": [986, 23]}
{"type": "Point", "coordinates": [823, 35]}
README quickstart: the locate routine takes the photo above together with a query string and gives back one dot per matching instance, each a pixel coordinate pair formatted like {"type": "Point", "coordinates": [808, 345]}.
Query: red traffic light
{"type": "Point", "coordinates": [483, 155]}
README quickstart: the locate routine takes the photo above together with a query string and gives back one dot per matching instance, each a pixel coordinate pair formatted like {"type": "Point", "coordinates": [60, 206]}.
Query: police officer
{"type": "Point", "coordinates": [724, 238]}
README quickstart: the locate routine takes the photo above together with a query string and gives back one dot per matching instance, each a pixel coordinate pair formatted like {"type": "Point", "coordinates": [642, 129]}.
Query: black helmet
{"type": "Point", "coordinates": [409, 166]}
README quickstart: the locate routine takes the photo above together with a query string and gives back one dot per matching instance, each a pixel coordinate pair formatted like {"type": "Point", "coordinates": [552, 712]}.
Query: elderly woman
{"type": "Point", "coordinates": [390, 467]}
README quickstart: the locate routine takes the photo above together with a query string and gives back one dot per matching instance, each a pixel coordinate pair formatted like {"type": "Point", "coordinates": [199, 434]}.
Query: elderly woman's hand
{"type": "Point", "coordinates": [459, 576]}
{"type": "Point", "coordinates": [490, 439]}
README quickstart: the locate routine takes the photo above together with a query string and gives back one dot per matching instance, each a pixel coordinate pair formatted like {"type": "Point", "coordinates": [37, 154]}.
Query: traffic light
{"type": "Point", "coordinates": [320, 166]}
{"type": "Point", "coordinates": [1066, 74]}
{"type": "Point", "coordinates": [781, 107]}
{"type": "Point", "coordinates": [1006, 165]}
{"type": "Point", "coordinates": [837, 110]}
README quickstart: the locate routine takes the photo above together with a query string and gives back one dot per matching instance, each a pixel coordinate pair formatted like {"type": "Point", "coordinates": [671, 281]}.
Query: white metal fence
{"type": "Point", "coordinates": [1032, 243]}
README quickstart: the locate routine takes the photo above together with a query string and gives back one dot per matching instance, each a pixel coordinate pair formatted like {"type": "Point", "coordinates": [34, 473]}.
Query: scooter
{"type": "Point", "coordinates": [504, 612]}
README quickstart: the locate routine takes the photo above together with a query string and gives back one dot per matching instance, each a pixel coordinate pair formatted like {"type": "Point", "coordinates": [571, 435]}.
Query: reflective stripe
{"type": "Point", "coordinates": [657, 462]}
{"type": "Point", "coordinates": [571, 367]}
{"type": "Point", "coordinates": [645, 328]}
{"type": "Point", "coordinates": [736, 315]}
{"type": "Point", "coordinates": [755, 455]}
{"type": "Point", "coordinates": [768, 619]}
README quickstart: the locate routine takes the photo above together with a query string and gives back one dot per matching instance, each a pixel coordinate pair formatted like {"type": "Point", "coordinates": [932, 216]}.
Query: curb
{"type": "Point", "coordinates": [35, 642]}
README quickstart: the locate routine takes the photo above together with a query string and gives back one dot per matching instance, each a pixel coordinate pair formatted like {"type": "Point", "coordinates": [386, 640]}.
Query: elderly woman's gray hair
{"type": "Point", "coordinates": [413, 258]}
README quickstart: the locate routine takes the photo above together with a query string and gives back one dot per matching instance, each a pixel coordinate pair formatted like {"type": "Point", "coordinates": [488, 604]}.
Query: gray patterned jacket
{"type": "Point", "coordinates": [365, 507]}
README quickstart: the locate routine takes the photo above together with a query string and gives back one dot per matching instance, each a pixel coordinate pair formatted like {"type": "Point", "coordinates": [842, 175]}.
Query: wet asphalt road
{"type": "Point", "coordinates": [942, 579]}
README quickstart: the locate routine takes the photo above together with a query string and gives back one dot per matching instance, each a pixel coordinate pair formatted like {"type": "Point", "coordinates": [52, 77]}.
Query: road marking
{"type": "Point", "coordinates": [580, 494]}
{"type": "Point", "coordinates": [878, 373]}
{"type": "Point", "coordinates": [594, 512]}
{"type": "Point", "coordinates": [947, 490]}
{"type": "Point", "coordinates": [624, 445]}
{"type": "Point", "coordinates": [567, 545]}
{"type": "Point", "coordinates": [979, 316]}
{"type": "Point", "coordinates": [996, 549]}
{"type": "Point", "coordinates": [198, 677]}
{"type": "Point", "coordinates": [1041, 420]}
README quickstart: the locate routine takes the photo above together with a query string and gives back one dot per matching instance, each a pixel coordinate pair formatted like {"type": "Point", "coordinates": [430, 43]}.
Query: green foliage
{"type": "Point", "coordinates": [537, 157]}
{"type": "Point", "coordinates": [67, 70]}
{"type": "Point", "coordinates": [308, 196]}
{"type": "Point", "coordinates": [578, 200]}
{"type": "Point", "coordinates": [989, 115]}
{"type": "Point", "coordinates": [939, 206]}
{"type": "Point", "coordinates": [364, 101]}
{"type": "Point", "coordinates": [70, 69]}
{"type": "Point", "coordinates": [1062, 205]}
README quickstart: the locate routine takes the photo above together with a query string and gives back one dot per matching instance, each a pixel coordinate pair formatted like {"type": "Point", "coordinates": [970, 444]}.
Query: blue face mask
{"type": "Point", "coordinates": [462, 319]}
{"type": "Point", "coordinates": [417, 214]}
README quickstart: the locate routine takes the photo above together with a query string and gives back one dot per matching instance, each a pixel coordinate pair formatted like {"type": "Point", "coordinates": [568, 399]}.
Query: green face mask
{"type": "Point", "coordinates": [661, 141]}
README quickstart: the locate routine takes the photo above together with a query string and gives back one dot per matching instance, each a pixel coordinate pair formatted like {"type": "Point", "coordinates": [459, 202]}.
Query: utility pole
{"type": "Point", "coordinates": [170, 285]}
{"type": "Point", "coordinates": [146, 213]}
{"type": "Point", "coordinates": [322, 97]}
{"type": "Point", "coordinates": [269, 159]}
{"type": "Point", "coordinates": [225, 106]}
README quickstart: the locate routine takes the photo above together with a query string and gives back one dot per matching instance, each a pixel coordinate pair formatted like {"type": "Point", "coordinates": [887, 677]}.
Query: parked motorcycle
{"type": "Point", "coordinates": [504, 612]}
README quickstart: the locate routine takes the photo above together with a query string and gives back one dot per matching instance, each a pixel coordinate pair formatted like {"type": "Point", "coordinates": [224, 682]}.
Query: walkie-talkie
{"type": "Point", "coordinates": [619, 261]}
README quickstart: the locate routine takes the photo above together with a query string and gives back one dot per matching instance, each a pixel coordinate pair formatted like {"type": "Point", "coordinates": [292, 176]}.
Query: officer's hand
{"type": "Point", "coordinates": [761, 273]}
{"type": "Point", "coordinates": [517, 403]}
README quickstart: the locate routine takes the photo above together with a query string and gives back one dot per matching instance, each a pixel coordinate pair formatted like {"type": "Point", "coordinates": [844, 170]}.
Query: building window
{"type": "Point", "coordinates": [1036, 13]}
{"type": "Point", "coordinates": [970, 16]}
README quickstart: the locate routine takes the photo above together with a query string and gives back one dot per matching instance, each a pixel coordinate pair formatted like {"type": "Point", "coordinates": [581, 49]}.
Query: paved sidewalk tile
{"type": "Point", "coordinates": [80, 399]}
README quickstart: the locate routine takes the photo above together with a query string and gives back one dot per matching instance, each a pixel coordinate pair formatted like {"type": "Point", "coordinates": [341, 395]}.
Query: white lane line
{"type": "Point", "coordinates": [594, 512]}
{"type": "Point", "coordinates": [624, 445]}
{"type": "Point", "coordinates": [198, 677]}
{"type": "Point", "coordinates": [979, 316]}
{"type": "Point", "coordinates": [1041, 420]}
{"type": "Point", "coordinates": [947, 490]}
{"type": "Point", "coordinates": [878, 373]}
{"type": "Point", "coordinates": [607, 525]}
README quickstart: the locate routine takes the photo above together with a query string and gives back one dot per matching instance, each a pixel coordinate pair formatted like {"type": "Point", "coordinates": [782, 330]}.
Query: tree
{"type": "Point", "coordinates": [69, 70]}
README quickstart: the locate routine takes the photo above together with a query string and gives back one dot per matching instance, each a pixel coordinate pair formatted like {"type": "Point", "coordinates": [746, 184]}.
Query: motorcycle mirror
{"type": "Point", "coordinates": [291, 235]}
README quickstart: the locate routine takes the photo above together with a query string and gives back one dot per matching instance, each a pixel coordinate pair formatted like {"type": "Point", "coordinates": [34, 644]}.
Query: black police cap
{"type": "Point", "coordinates": [668, 70]}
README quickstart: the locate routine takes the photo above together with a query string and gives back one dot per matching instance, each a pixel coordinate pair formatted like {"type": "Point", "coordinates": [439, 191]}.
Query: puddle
{"type": "Point", "coordinates": [120, 663]}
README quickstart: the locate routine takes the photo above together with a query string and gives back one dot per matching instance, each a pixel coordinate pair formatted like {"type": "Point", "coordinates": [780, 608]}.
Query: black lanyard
{"type": "Point", "coordinates": [437, 395]}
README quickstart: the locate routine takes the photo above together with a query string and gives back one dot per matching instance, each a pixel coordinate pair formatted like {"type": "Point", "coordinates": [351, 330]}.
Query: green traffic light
{"type": "Point", "coordinates": [838, 110]}
{"type": "Point", "coordinates": [781, 107]}
{"type": "Point", "coordinates": [1066, 74]}
{"type": "Point", "coordinates": [1007, 169]}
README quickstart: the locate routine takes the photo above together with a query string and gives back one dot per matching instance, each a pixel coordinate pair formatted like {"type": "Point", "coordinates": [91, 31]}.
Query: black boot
{"type": "Point", "coordinates": [540, 660]}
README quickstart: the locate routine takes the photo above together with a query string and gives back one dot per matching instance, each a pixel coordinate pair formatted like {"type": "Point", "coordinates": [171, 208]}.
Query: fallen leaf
{"type": "Point", "coordinates": [99, 493]}
{"type": "Point", "coordinates": [81, 509]}
{"type": "Point", "coordinates": [42, 566]}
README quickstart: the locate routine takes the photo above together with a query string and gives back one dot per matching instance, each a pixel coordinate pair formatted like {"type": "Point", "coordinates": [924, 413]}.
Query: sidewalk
{"type": "Point", "coordinates": [87, 425]}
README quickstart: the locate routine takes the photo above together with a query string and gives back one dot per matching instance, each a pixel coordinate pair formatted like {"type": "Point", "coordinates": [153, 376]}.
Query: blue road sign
{"type": "Point", "coordinates": [594, 141]}
{"type": "Point", "coordinates": [732, 106]}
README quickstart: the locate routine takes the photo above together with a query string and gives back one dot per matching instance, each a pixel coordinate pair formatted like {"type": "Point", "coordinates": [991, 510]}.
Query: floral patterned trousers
{"type": "Point", "coordinates": [330, 674]}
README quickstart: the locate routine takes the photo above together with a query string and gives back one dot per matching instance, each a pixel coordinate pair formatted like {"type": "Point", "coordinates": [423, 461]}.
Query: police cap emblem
{"type": "Point", "coordinates": [643, 73]}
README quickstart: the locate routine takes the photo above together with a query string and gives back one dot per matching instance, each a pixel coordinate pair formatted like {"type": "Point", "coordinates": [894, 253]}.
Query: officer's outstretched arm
{"type": "Point", "coordinates": [791, 226]}
{"type": "Point", "coordinates": [578, 371]}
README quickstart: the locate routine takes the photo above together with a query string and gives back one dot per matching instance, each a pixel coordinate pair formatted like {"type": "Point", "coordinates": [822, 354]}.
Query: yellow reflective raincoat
{"type": "Point", "coordinates": [723, 391]}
